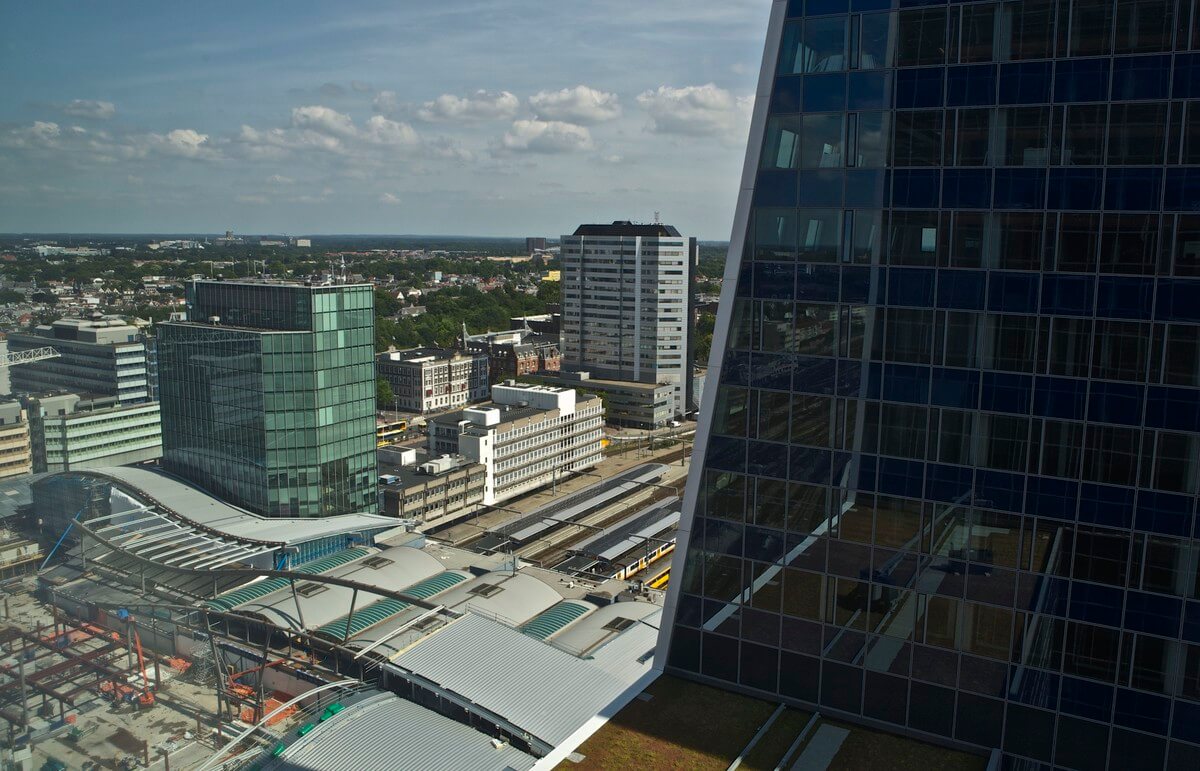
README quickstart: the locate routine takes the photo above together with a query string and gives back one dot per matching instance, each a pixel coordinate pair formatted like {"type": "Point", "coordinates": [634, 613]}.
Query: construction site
{"type": "Point", "coordinates": [154, 626]}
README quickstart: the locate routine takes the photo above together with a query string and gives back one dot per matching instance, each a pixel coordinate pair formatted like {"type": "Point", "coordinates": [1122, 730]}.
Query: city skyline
{"type": "Point", "coordinates": [374, 119]}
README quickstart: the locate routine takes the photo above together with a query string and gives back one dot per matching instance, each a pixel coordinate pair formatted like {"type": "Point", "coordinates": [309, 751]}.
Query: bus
{"type": "Point", "coordinates": [388, 431]}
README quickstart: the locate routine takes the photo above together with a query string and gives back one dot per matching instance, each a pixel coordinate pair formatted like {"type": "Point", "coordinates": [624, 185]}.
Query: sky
{"type": "Point", "coordinates": [464, 117]}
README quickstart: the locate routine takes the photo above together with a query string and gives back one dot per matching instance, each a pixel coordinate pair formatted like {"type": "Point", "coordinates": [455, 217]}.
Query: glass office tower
{"type": "Point", "coordinates": [268, 396]}
{"type": "Point", "coordinates": [946, 477]}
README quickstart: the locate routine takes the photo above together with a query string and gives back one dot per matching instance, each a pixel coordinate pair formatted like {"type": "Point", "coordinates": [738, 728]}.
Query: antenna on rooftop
{"type": "Point", "coordinates": [657, 219]}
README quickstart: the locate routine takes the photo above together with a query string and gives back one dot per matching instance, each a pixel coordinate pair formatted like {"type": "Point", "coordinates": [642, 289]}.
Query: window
{"type": "Point", "coordinates": [875, 51]}
{"type": "Point", "coordinates": [1078, 242]}
{"type": "Point", "coordinates": [1005, 442]}
{"type": "Point", "coordinates": [866, 237]}
{"type": "Point", "coordinates": [903, 430]}
{"type": "Point", "coordinates": [823, 137]}
{"type": "Point", "coordinates": [816, 45]}
{"type": "Point", "coordinates": [1145, 25]}
{"type": "Point", "coordinates": [1026, 136]}
{"type": "Point", "coordinates": [1061, 445]}
{"type": "Point", "coordinates": [909, 335]}
{"type": "Point", "coordinates": [1137, 133]}
{"type": "Point", "coordinates": [921, 37]}
{"type": "Point", "coordinates": [1182, 355]}
{"type": "Point", "coordinates": [1020, 240]}
{"type": "Point", "coordinates": [820, 233]}
{"type": "Point", "coordinates": [810, 420]}
{"type": "Point", "coordinates": [1129, 244]}
{"type": "Point", "coordinates": [1012, 343]}
{"type": "Point", "coordinates": [914, 238]}
{"type": "Point", "coordinates": [1091, 28]}
{"type": "Point", "coordinates": [918, 140]}
{"type": "Point", "coordinates": [1083, 138]}
{"type": "Point", "coordinates": [1070, 347]}
{"type": "Point", "coordinates": [1111, 455]}
{"type": "Point", "coordinates": [775, 234]}
{"type": "Point", "coordinates": [1191, 130]}
{"type": "Point", "coordinates": [871, 139]}
{"type": "Point", "coordinates": [1120, 350]}
{"type": "Point", "coordinates": [972, 143]}
{"type": "Point", "coordinates": [978, 32]}
{"type": "Point", "coordinates": [1025, 30]}
{"type": "Point", "coordinates": [782, 147]}
{"type": "Point", "coordinates": [970, 238]}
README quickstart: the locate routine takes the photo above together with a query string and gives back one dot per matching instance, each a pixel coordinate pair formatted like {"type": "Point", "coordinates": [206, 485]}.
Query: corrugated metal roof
{"type": "Point", "coordinates": [386, 731]}
{"type": "Point", "coordinates": [196, 506]}
{"type": "Point", "coordinates": [262, 588]}
{"type": "Point", "coordinates": [386, 608]}
{"type": "Point", "coordinates": [538, 687]}
{"type": "Point", "coordinates": [555, 618]}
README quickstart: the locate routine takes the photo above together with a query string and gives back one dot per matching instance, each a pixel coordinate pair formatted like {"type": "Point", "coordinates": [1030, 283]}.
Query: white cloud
{"type": "Point", "coordinates": [482, 105]}
{"type": "Point", "coordinates": [257, 200]}
{"type": "Point", "coordinates": [539, 136]}
{"type": "Point", "coordinates": [706, 110]}
{"type": "Point", "coordinates": [279, 179]}
{"type": "Point", "coordinates": [382, 131]}
{"type": "Point", "coordinates": [386, 102]}
{"type": "Point", "coordinates": [581, 104]}
{"type": "Point", "coordinates": [315, 127]}
{"type": "Point", "coordinates": [90, 108]}
{"type": "Point", "coordinates": [389, 199]}
{"type": "Point", "coordinates": [183, 143]}
{"type": "Point", "coordinates": [323, 120]}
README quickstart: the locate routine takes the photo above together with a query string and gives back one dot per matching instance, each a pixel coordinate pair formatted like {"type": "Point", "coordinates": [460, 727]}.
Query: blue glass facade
{"type": "Point", "coordinates": [268, 396]}
{"type": "Point", "coordinates": [951, 461]}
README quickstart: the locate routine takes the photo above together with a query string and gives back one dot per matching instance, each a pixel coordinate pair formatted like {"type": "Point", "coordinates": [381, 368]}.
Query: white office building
{"type": "Point", "coordinates": [627, 305]}
{"type": "Point", "coordinates": [527, 437]}
{"type": "Point", "coordinates": [102, 356]}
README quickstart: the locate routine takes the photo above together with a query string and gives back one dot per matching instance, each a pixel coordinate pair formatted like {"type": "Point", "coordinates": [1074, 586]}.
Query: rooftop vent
{"type": "Point", "coordinates": [309, 589]}
{"type": "Point", "coordinates": [376, 562]}
{"type": "Point", "coordinates": [486, 590]}
{"type": "Point", "coordinates": [619, 624]}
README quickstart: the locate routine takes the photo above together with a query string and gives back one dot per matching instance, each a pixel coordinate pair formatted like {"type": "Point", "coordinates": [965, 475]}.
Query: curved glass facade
{"type": "Point", "coordinates": [952, 456]}
{"type": "Point", "coordinates": [278, 418]}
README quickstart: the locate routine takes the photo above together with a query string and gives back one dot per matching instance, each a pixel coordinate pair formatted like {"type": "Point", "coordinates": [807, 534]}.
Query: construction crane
{"type": "Point", "coordinates": [28, 357]}
{"type": "Point", "coordinates": [145, 699]}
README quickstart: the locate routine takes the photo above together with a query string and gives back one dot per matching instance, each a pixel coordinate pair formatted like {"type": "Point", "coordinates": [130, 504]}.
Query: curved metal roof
{"type": "Point", "coordinates": [556, 618]}
{"type": "Point", "coordinates": [242, 595]}
{"type": "Point", "coordinates": [388, 607]}
{"type": "Point", "coordinates": [193, 507]}
{"type": "Point", "coordinates": [592, 632]}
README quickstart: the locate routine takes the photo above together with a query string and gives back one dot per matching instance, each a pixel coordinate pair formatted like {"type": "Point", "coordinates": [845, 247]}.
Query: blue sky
{"type": "Point", "coordinates": [500, 117]}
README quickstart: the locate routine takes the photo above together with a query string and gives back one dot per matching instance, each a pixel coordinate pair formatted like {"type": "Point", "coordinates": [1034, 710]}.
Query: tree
{"type": "Point", "coordinates": [550, 291]}
{"type": "Point", "coordinates": [384, 396]}
{"type": "Point", "coordinates": [704, 336]}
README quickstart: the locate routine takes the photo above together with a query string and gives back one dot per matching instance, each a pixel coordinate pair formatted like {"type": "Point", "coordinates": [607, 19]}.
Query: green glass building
{"type": "Point", "coordinates": [268, 396]}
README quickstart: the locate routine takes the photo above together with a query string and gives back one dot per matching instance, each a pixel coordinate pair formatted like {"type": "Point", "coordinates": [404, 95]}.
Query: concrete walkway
{"type": "Point", "coordinates": [821, 749]}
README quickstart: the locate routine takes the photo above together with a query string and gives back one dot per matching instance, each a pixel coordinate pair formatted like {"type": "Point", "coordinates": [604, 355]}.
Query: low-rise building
{"type": "Point", "coordinates": [527, 437]}
{"type": "Point", "coordinates": [516, 352]}
{"type": "Point", "coordinates": [101, 355]}
{"type": "Point", "coordinates": [69, 431]}
{"type": "Point", "coordinates": [434, 379]}
{"type": "Point", "coordinates": [16, 453]}
{"type": "Point", "coordinates": [626, 403]}
{"type": "Point", "coordinates": [434, 493]}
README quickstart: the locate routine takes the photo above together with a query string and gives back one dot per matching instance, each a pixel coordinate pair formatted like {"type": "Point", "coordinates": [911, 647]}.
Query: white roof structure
{"type": "Point", "coordinates": [193, 507]}
{"type": "Point", "coordinates": [544, 691]}
{"type": "Point", "coordinates": [385, 731]}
